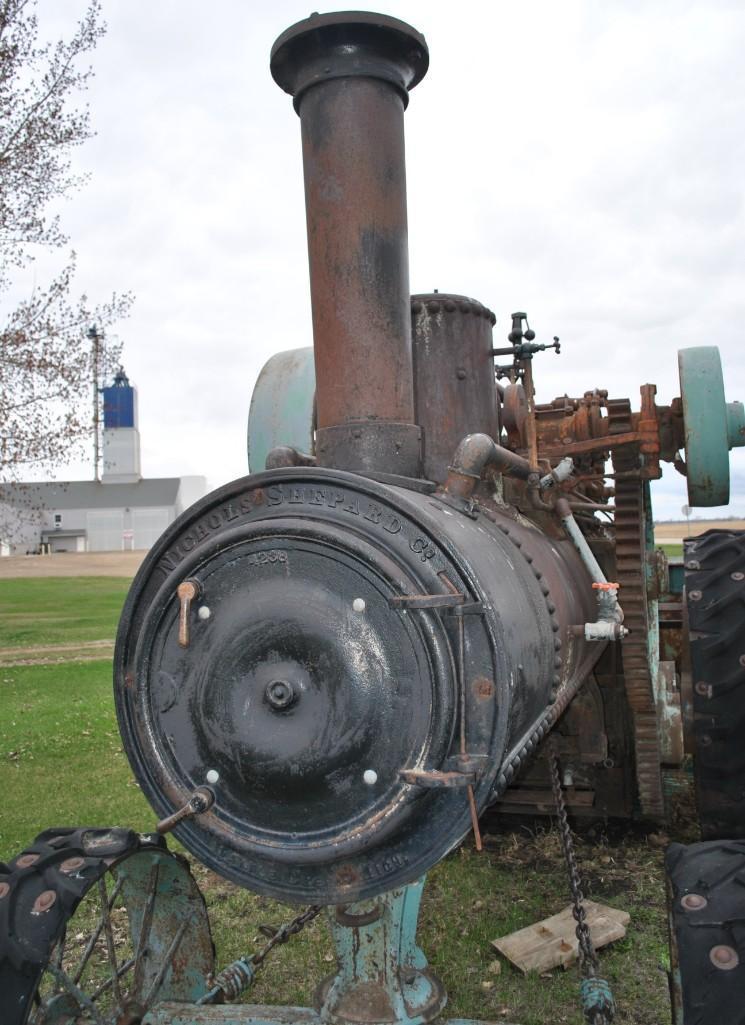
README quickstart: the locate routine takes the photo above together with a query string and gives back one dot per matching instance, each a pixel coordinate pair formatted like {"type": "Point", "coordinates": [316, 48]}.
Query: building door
{"type": "Point", "coordinates": [105, 528]}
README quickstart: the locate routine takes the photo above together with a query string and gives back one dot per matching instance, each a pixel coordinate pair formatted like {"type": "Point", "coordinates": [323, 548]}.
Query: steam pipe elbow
{"type": "Point", "coordinates": [474, 453]}
{"type": "Point", "coordinates": [285, 455]}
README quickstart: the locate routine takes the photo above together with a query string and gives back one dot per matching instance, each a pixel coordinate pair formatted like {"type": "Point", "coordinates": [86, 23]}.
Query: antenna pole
{"type": "Point", "coordinates": [95, 338]}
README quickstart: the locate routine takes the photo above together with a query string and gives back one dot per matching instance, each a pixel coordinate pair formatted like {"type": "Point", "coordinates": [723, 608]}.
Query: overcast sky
{"type": "Point", "coordinates": [583, 161]}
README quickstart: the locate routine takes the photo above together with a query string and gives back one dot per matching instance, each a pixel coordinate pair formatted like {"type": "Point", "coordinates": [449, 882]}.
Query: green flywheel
{"type": "Point", "coordinates": [713, 426]}
{"type": "Point", "coordinates": [282, 408]}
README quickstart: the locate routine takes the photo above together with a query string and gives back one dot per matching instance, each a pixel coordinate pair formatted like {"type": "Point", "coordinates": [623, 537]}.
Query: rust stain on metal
{"type": "Point", "coordinates": [347, 875]}
{"type": "Point", "coordinates": [483, 688]}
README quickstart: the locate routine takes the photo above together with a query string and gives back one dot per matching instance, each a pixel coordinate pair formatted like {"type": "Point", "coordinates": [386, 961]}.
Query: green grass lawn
{"type": "Point", "coordinates": [59, 610]}
{"type": "Point", "coordinates": [61, 763]}
{"type": "Point", "coordinates": [61, 756]}
{"type": "Point", "coordinates": [671, 549]}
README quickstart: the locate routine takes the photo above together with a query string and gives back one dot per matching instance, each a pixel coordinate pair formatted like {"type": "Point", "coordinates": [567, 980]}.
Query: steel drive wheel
{"type": "Point", "coordinates": [96, 926]}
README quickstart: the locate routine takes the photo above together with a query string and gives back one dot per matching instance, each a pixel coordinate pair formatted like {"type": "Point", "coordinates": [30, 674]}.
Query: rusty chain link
{"type": "Point", "coordinates": [239, 975]}
{"type": "Point", "coordinates": [287, 931]}
{"type": "Point", "coordinates": [597, 999]}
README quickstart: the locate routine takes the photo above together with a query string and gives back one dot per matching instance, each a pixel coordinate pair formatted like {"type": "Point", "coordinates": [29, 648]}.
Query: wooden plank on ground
{"type": "Point", "coordinates": [553, 941]}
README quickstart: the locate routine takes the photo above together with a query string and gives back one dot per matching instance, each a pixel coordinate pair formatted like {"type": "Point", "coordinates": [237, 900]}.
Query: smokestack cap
{"type": "Point", "coordinates": [348, 43]}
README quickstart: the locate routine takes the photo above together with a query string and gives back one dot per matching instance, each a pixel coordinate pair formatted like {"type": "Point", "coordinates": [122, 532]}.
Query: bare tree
{"type": "Point", "coordinates": [46, 357]}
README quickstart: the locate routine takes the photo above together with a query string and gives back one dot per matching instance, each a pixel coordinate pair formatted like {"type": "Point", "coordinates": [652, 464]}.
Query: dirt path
{"type": "Point", "coordinates": [72, 564]}
{"type": "Point", "coordinates": [52, 654]}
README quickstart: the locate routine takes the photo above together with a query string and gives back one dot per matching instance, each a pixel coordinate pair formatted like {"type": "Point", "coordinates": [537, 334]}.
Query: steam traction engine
{"type": "Point", "coordinates": [327, 670]}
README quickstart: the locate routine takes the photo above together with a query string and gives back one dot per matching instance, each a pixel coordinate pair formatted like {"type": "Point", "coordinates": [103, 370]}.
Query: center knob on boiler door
{"type": "Point", "coordinates": [280, 694]}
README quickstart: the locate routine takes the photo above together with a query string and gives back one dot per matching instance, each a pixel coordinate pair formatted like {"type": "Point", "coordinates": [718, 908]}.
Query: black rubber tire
{"type": "Point", "coordinates": [715, 598]}
{"type": "Point", "coordinates": [707, 932]}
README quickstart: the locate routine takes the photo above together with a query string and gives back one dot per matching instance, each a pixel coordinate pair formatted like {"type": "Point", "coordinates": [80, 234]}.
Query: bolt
{"type": "Point", "coordinates": [704, 740]}
{"type": "Point", "coordinates": [71, 865]}
{"type": "Point", "coordinates": [693, 564]}
{"type": "Point", "coordinates": [737, 575]}
{"type": "Point", "coordinates": [359, 605]}
{"type": "Point", "coordinates": [370, 776]}
{"type": "Point", "coordinates": [44, 902]}
{"type": "Point", "coordinates": [724, 957]}
{"type": "Point", "coordinates": [280, 694]}
{"type": "Point", "coordinates": [704, 689]}
{"type": "Point", "coordinates": [204, 612]}
{"type": "Point", "coordinates": [693, 902]}
{"type": "Point", "coordinates": [461, 374]}
{"type": "Point", "coordinates": [694, 596]}
{"type": "Point", "coordinates": [26, 860]}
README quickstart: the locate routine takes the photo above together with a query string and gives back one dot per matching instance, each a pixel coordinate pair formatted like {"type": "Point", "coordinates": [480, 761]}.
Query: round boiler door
{"type": "Point", "coordinates": [304, 692]}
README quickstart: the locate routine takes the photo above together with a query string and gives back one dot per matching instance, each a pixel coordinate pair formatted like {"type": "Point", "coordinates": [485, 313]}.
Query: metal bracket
{"type": "Point", "coordinates": [433, 779]}
{"type": "Point", "coordinates": [427, 601]}
{"type": "Point", "coordinates": [456, 603]}
{"type": "Point", "coordinates": [471, 608]}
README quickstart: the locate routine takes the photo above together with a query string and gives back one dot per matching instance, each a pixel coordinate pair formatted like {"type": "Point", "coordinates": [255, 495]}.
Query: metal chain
{"type": "Point", "coordinates": [588, 958]}
{"type": "Point", "coordinates": [596, 996]}
{"type": "Point", "coordinates": [287, 931]}
{"type": "Point", "coordinates": [240, 974]}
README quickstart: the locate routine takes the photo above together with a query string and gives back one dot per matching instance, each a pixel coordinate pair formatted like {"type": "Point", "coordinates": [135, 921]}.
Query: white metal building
{"type": "Point", "coordinates": [120, 512]}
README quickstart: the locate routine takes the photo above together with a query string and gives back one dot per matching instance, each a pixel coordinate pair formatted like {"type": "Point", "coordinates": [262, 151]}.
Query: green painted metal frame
{"type": "Point", "coordinates": [177, 904]}
{"type": "Point", "coordinates": [382, 975]}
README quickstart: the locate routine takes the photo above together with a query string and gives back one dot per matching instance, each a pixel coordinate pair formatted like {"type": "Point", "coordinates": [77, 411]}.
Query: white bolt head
{"type": "Point", "coordinates": [358, 604]}
{"type": "Point", "coordinates": [204, 612]}
{"type": "Point", "coordinates": [212, 776]}
{"type": "Point", "coordinates": [370, 776]}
